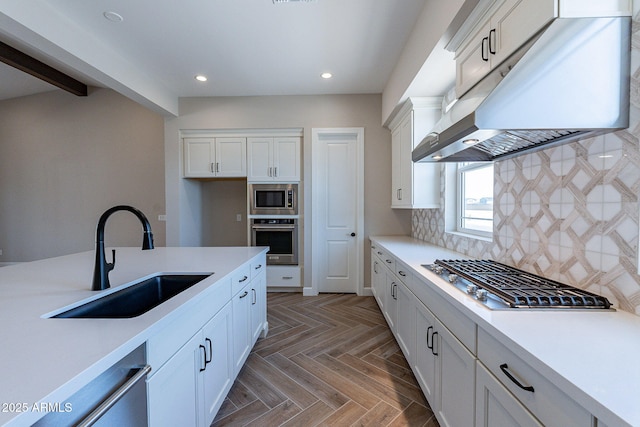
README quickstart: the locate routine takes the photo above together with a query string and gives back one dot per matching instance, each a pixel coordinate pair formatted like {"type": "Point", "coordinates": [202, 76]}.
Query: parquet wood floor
{"type": "Point", "coordinates": [329, 360]}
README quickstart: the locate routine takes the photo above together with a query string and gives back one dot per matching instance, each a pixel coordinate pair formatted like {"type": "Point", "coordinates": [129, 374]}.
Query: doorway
{"type": "Point", "coordinates": [338, 209]}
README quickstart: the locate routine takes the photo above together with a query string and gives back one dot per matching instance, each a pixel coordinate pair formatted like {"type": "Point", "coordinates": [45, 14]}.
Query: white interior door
{"type": "Point", "coordinates": [337, 210]}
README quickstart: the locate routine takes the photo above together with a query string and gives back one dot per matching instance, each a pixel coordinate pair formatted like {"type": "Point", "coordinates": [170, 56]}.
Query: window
{"type": "Point", "coordinates": [475, 198]}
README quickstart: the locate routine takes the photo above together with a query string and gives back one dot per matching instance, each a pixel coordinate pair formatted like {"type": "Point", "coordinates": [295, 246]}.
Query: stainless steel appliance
{"type": "Point", "coordinates": [273, 199]}
{"type": "Point", "coordinates": [499, 286]}
{"type": "Point", "coordinates": [281, 235]}
{"type": "Point", "coordinates": [570, 81]}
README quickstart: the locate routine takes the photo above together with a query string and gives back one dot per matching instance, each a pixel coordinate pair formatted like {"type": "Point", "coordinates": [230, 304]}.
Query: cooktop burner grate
{"type": "Point", "coordinates": [520, 289]}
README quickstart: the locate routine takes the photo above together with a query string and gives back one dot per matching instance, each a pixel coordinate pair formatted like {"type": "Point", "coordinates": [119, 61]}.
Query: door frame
{"type": "Point", "coordinates": [316, 136]}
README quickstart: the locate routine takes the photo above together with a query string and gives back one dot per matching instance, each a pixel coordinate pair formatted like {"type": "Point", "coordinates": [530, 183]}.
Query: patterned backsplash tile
{"type": "Point", "coordinates": [569, 213]}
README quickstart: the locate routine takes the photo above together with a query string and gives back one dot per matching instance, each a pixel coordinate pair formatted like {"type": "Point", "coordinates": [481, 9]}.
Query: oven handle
{"type": "Point", "coordinates": [273, 227]}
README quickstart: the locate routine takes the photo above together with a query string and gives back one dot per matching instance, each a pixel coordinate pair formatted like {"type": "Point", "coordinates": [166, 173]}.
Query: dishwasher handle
{"type": "Point", "coordinates": [108, 403]}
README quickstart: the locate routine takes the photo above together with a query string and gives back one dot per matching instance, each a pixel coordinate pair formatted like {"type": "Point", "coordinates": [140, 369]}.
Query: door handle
{"type": "Point", "coordinates": [353, 234]}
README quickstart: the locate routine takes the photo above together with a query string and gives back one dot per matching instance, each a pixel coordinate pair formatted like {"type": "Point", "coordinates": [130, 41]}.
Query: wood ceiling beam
{"type": "Point", "coordinates": [32, 66]}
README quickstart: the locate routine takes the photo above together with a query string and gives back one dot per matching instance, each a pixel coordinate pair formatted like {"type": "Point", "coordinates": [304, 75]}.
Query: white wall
{"type": "Point", "coordinates": [306, 112]}
{"type": "Point", "coordinates": [64, 160]}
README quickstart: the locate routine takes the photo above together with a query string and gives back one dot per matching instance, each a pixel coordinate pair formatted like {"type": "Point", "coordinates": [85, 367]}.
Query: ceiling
{"type": "Point", "coordinates": [244, 47]}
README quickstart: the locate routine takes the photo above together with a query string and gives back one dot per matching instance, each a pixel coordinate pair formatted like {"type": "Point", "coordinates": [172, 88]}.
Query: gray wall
{"type": "Point", "coordinates": [64, 160]}
{"type": "Point", "coordinates": [184, 223]}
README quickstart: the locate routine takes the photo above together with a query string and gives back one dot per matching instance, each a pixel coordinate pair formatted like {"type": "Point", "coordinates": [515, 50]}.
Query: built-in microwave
{"type": "Point", "coordinates": [273, 199]}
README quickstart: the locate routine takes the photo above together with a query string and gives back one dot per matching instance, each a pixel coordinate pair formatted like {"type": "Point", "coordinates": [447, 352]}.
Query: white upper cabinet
{"type": "Point", "coordinates": [491, 36]}
{"type": "Point", "coordinates": [508, 28]}
{"type": "Point", "coordinates": [215, 157]}
{"type": "Point", "coordinates": [413, 185]}
{"type": "Point", "coordinates": [273, 159]}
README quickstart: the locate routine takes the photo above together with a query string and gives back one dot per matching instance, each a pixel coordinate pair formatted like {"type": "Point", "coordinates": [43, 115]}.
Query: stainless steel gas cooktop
{"type": "Point", "coordinates": [499, 286]}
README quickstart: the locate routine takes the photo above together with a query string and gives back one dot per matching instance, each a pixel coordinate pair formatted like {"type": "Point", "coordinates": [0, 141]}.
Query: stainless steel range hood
{"type": "Point", "coordinates": [571, 81]}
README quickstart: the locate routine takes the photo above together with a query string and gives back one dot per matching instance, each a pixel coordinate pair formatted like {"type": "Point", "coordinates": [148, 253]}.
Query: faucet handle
{"type": "Point", "coordinates": [113, 257]}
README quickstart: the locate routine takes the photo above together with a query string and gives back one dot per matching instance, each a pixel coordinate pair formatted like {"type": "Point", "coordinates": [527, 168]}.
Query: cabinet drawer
{"type": "Point", "coordinates": [283, 276]}
{"type": "Point", "coordinates": [403, 272]}
{"type": "Point", "coordinates": [547, 402]}
{"type": "Point", "coordinates": [240, 278]}
{"type": "Point", "coordinates": [258, 266]}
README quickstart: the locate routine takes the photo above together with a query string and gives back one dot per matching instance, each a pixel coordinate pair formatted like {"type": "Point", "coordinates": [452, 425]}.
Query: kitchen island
{"type": "Point", "coordinates": [47, 360]}
{"type": "Point", "coordinates": [583, 363]}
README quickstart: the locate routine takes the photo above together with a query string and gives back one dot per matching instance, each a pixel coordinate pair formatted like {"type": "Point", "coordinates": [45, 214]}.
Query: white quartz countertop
{"type": "Point", "coordinates": [46, 360]}
{"type": "Point", "coordinates": [594, 357]}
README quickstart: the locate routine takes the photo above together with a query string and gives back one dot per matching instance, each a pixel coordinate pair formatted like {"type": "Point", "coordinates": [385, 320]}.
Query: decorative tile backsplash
{"type": "Point", "coordinates": [569, 213]}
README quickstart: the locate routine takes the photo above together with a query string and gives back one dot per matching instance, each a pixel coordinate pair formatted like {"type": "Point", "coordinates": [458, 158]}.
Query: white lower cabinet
{"type": "Point", "coordinates": [406, 322]}
{"type": "Point", "coordinates": [390, 300]}
{"type": "Point", "coordinates": [215, 374]}
{"type": "Point", "coordinates": [470, 375]}
{"type": "Point", "coordinates": [445, 370]}
{"type": "Point", "coordinates": [496, 407]}
{"type": "Point", "coordinates": [172, 391]}
{"type": "Point", "coordinates": [258, 306]}
{"type": "Point", "coordinates": [190, 387]}
{"type": "Point", "coordinates": [378, 278]}
{"type": "Point", "coordinates": [196, 358]}
{"type": "Point", "coordinates": [241, 327]}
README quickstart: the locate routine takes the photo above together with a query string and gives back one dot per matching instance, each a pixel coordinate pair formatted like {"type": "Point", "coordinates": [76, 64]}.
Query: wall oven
{"type": "Point", "coordinates": [273, 199]}
{"type": "Point", "coordinates": [281, 235]}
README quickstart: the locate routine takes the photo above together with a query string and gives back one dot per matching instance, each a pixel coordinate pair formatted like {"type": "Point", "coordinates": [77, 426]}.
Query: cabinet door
{"type": "Point", "coordinates": [259, 159]}
{"type": "Point", "coordinates": [424, 365]}
{"type": "Point", "coordinates": [396, 167]}
{"type": "Point", "coordinates": [406, 167]}
{"type": "Point", "coordinates": [378, 279]}
{"type": "Point", "coordinates": [456, 379]}
{"type": "Point", "coordinates": [231, 157]}
{"type": "Point", "coordinates": [406, 322]}
{"type": "Point", "coordinates": [516, 22]}
{"type": "Point", "coordinates": [241, 327]}
{"type": "Point", "coordinates": [390, 300]}
{"type": "Point", "coordinates": [172, 391]}
{"type": "Point", "coordinates": [199, 157]}
{"type": "Point", "coordinates": [286, 159]}
{"type": "Point", "coordinates": [495, 406]}
{"type": "Point", "coordinates": [217, 377]}
{"type": "Point", "coordinates": [258, 306]}
{"type": "Point", "coordinates": [472, 63]}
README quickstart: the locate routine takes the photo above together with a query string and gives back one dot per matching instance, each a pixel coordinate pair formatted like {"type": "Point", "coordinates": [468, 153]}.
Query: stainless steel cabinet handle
{"type": "Point", "coordinates": [97, 413]}
{"type": "Point", "coordinates": [212, 168]}
{"type": "Point", "coordinates": [402, 273]}
{"type": "Point", "coordinates": [287, 277]}
{"type": "Point", "coordinates": [275, 171]}
{"type": "Point", "coordinates": [217, 167]}
{"type": "Point", "coordinates": [399, 193]}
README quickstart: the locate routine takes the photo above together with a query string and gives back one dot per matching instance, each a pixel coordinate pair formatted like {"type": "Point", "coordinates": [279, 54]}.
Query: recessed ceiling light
{"type": "Point", "coordinates": [326, 75]}
{"type": "Point", "coordinates": [471, 141]}
{"type": "Point", "coordinates": [113, 16]}
{"type": "Point", "coordinates": [201, 78]}
{"type": "Point", "coordinates": [437, 157]}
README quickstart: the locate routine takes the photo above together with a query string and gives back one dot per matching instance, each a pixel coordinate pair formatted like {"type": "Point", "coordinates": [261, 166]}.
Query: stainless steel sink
{"type": "Point", "coordinates": [135, 299]}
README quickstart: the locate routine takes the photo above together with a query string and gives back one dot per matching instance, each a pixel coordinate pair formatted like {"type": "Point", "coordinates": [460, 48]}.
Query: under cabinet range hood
{"type": "Point", "coordinates": [570, 81]}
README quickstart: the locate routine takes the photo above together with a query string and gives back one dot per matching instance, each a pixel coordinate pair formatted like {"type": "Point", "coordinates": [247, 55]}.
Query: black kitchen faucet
{"type": "Point", "coordinates": [102, 267]}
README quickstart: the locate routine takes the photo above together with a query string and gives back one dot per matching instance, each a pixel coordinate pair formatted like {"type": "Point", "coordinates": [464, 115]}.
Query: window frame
{"type": "Point", "coordinates": [461, 169]}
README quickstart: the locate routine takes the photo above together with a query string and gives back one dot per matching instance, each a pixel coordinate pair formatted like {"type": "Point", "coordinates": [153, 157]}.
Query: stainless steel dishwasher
{"type": "Point", "coordinates": [117, 397]}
